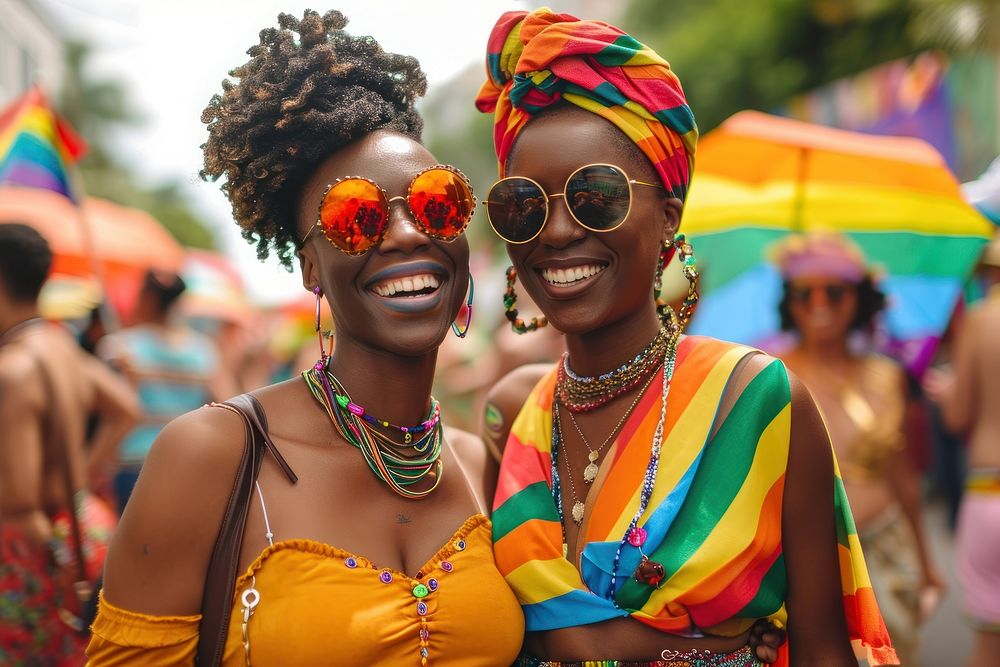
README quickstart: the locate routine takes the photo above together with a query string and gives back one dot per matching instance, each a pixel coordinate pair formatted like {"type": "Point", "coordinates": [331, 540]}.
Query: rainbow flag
{"type": "Point", "coordinates": [37, 147]}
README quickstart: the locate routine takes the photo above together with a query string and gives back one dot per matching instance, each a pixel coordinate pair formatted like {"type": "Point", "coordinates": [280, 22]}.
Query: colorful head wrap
{"type": "Point", "coordinates": [816, 253]}
{"type": "Point", "coordinates": [536, 59]}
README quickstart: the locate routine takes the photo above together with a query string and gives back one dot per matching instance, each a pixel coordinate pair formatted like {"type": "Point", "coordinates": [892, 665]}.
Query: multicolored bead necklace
{"type": "Point", "coordinates": [383, 455]}
{"type": "Point", "coordinates": [649, 572]}
{"type": "Point", "coordinates": [669, 359]}
{"type": "Point", "coordinates": [583, 394]}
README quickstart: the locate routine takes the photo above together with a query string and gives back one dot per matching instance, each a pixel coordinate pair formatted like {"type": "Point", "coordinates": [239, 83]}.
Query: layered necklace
{"type": "Point", "coordinates": [400, 465]}
{"type": "Point", "coordinates": [583, 394]}
{"type": "Point", "coordinates": [641, 369]}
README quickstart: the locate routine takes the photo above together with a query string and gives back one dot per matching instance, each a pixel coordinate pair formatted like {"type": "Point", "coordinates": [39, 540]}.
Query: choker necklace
{"type": "Point", "coordinates": [398, 465]}
{"type": "Point", "coordinates": [583, 394]}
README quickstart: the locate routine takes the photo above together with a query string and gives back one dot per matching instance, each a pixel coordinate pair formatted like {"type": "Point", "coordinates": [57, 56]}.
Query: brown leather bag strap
{"type": "Point", "coordinates": [217, 598]}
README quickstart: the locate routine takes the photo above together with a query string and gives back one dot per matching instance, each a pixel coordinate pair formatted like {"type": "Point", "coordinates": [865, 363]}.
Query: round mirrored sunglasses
{"type": "Point", "coordinates": [598, 196]}
{"type": "Point", "coordinates": [354, 211]}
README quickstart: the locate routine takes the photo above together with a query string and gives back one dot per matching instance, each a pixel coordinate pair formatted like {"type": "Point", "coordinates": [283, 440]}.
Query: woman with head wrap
{"type": "Point", "coordinates": [829, 294]}
{"type": "Point", "coordinates": [654, 488]}
{"type": "Point", "coordinates": [365, 541]}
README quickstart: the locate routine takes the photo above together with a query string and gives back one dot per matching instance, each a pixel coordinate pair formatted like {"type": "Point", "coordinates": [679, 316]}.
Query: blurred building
{"type": "Point", "coordinates": [31, 50]}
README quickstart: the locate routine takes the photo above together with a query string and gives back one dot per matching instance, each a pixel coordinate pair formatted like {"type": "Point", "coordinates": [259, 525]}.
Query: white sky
{"type": "Point", "coordinates": [173, 55]}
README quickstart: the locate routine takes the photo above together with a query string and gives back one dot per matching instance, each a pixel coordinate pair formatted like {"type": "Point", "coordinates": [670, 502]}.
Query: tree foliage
{"type": "Point", "coordinates": [733, 55]}
{"type": "Point", "coordinates": [97, 109]}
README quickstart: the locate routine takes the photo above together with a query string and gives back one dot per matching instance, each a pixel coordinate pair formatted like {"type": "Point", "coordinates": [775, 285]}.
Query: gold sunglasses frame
{"type": "Point", "coordinates": [388, 207]}
{"type": "Point", "coordinates": [629, 181]}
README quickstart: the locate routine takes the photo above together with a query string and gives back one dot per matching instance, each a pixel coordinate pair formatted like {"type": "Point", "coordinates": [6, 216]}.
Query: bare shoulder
{"type": "Point", "coordinates": [17, 365]}
{"type": "Point", "coordinates": [476, 462]}
{"type": "Point", "coordinates": [173, 517]}
{"type": "Point", "coordinates": [469, 449]}
{"type": "Point", "coordinates": [504, 401]}
{"type": "Point", "coordinates": [746, 370]}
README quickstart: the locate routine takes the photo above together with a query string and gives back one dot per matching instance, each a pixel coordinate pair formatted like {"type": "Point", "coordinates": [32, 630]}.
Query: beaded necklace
{"type": "Point", "coordinates": [583, 394]}
{"type": "Point", "coordinates": [384, 456]}
{"type": "Point", "coordinates": [633, 534]}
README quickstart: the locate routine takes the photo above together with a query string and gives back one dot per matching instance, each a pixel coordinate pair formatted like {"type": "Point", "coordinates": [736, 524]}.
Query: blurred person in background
{"type": "Point", "coordinates": [171, 365]}
{"type": "Point", "coordinates": [830, 294]}
{"type": "Point", "coordinates": [48, 388]}
{"type": "Point", "coordinates": [969, 397]}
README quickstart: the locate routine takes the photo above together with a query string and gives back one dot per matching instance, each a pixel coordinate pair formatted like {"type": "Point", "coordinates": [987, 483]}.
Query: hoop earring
{"type": "Point", "coordinates": [461, 332]}
{"type": "Point", "coordinates": [319, 329]}
{"type": "Point", "coordinates": [686, 254]}
{"type": "Point", "coordinates": [510, 308]}
{"type": "Point", "coordinates": [663, 309]}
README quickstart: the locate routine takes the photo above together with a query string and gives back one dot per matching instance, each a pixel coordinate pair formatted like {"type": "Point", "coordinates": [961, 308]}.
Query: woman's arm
{"type": "Point", "coordinates": [118, 410]}
{"type": "Point", "coordinates": [503, 403]}
{"type": "Point", "coordinates": [159, 556]}
{"type": "Point", "coordinates": [817, 628]}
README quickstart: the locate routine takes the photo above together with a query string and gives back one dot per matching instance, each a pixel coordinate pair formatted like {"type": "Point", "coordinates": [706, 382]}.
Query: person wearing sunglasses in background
{"type": "Point", "coordinates": [659, 495]}
{"type": "Point", "coordinates": [366, 540]}
{"type": "Point", "coordinates": [830, 295]}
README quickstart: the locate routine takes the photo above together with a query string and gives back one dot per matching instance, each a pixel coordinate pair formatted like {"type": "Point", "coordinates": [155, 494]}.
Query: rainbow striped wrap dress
{"type": "Point", "coordinates": [714, 519]}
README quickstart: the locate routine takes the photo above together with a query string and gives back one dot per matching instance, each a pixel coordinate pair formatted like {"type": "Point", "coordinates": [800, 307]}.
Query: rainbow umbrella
{"type": "Point", "coordinates": [761, 177]}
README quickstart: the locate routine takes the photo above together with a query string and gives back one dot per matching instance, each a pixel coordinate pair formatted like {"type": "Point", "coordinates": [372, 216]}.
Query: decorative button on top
{"type": "Point", "coordinates": [351, 562]}
{"type": "Point", "coordinates": [432, 584]}
{"type": "Point", "coordinates": [385, 577]}
{"type": "Point", "coordinates": [422, 608]}
{"type": "Point", "coordinates": [420, 591]}
{"type": "Point", "coordinates": [447, 566]}
{"type": "Point", "coordinates": [460, 545]}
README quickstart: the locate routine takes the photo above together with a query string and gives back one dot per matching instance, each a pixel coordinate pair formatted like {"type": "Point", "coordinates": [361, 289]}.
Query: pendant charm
{"type": "Point", "coordinates": [590, 472]}
{"type": "Point", "coordinates": [649, 572]}
{"type": "Point", "coordinates": [578, 512]}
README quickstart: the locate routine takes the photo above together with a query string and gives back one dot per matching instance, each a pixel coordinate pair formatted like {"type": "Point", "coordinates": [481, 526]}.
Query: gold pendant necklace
{"type": "Point", "coordinates": [593, 467]}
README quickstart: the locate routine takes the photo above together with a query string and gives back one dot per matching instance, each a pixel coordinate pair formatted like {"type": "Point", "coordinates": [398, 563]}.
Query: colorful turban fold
{"type": "Point", "coordinates": [536, 59]}
{"type": "Point", "coordinates": [819, 253]}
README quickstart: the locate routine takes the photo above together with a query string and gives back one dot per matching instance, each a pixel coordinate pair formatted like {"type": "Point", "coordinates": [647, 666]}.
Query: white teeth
{"type": "Point", "coordinates": [571, 275]}
{"type": "Point", "coordinates": [406, 285]}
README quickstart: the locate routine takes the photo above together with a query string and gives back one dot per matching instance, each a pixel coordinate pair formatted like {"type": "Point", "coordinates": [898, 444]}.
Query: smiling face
{"type": "Point", "coordinates": [822, 308]}
{"type": "Point", "coordinates": [402, 295]}
{"type": "Point", "coordinates": [584, 280]}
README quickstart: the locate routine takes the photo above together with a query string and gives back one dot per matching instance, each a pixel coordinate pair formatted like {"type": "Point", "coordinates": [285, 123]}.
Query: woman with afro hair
{"type": "Point", "coordinates": [366, 540]}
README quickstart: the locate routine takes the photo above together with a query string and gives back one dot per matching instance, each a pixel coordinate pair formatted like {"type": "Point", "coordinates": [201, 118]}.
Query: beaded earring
{"type": "Point", "coordinates": [319, 329]}
{"type": "Point", "coordinates": [510, 308]}
{"type": "Point", "coordinates": [676, 321]}
{"type": "Point", "coordinates": [461, 332]}
{"type": "Point", "coordinates": [686, 255]}
{"type": "Point", "coordinates": [666, 314]}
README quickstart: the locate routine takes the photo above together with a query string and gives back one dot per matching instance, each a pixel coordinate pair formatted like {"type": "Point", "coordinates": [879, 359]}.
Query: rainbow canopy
{"type": "Point", "coordinates": [761, 177]}
{"type": "Point", "coordinates": [36, 146]}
